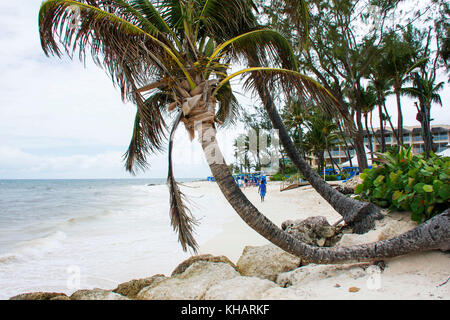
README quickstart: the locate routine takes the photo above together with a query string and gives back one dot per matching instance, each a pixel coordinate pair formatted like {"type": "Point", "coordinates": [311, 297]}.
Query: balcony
{"type": "Point", "coordinates": [417, 138]}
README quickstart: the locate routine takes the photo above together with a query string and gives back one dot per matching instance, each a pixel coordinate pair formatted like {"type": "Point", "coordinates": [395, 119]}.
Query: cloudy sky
{"type": "Point", "coordinates": [59, 119]}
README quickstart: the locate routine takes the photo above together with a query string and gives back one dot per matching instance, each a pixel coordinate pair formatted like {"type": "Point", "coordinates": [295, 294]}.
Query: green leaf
{"type": "Point", "coordinates": [427, 188]}
{"type": "Point", "coordinates": [378, 181]}
{"type": "Point", "coordinates": [419, 187]}
{"type": "Point", "coordinates": [359, 188]}
{"type": "Point", "coordinates": [397, 195]}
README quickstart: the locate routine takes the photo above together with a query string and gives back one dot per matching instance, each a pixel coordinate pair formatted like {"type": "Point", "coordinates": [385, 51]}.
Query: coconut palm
{"type": "Point", "coordinates": [399, 59]}
{"type": "Point", "coordinates": [174, 56]}
{"type": "Point", "coordinates": [425, 89]}
{"type": "Point", "coordinates": [320, 137]}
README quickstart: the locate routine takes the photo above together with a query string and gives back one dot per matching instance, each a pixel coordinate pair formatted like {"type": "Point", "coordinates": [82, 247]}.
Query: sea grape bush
{"type": "Point", "coordinates": [408, 182]}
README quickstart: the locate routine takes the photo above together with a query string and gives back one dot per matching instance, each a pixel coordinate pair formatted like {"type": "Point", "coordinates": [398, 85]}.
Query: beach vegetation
{"type": "Point", "coordinates": [407, 182]}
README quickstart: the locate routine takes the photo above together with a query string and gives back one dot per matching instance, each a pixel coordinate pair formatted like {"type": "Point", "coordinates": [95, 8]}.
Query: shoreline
{"type": "Point", "coordinates": [414, 276]}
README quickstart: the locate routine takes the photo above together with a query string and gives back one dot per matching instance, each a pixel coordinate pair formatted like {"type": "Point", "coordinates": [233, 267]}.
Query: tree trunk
{"type": "Point", "coordinates": [358, 141]}
{"type": "Point", "coordinates": [433, 234]}
{"type": "Point", "coordinates": [345, 143]}
{"type": "Point", "coordinates": [383, 139]}
{"type": "Point", "coordinates": [360, 215]}
{"type": "Point", "coordinates": [369, 136]}
{"type": "Point", "coordinates": [392, 126]}
{"type": "Point", "coordinates": [400, 116]}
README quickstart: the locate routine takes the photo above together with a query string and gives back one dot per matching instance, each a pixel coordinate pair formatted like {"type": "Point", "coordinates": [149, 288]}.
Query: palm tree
{"type": "Point", "coordinates": [399, 59]}
{"type": "Point", "coordinates": [426, 91]}
{"type": "Point", "coordinates": [294, 116]}
{"type": "Point", "coordinates": [178, 53]}
{"type": "Point", "coordinates": [368, 102]}
{"type": "Point", "coordinates": [320, 137]}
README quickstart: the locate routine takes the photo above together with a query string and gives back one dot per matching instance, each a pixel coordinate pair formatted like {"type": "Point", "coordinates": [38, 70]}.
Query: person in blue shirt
{"type": "Point", "coordinates": [262, 189]}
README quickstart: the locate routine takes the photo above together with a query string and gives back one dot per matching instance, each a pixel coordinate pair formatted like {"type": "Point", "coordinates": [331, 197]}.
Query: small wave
{"type": "Point", "coordinates": [37, 247]}
{"type": "Point", "coordinates": [10, 258]}
{"type": "Point", "coordinates": [88, 218]}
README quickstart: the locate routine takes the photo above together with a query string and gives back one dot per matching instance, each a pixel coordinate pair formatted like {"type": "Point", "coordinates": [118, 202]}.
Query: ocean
{"type": "Point", "coordinates": [64, 235]}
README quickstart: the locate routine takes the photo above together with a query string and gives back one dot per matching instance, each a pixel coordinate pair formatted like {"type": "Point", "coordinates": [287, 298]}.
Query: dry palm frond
{"type": "Point", "coordinates": [142, 141]}
{"type": "Point", "coordinates": [182, 219]}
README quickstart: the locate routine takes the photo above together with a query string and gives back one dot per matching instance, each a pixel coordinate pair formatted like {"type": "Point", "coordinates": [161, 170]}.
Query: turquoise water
{"type": "Point", "coordinates": [109, 231]}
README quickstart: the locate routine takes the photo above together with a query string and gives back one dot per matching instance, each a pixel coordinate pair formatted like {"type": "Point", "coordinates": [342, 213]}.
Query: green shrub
{"type": "Point", "coordinates": [278, 177]}
{"type": "Point", "coordinates": [408, 182]}
{"type": "Point", "coordinates": [330, 177]}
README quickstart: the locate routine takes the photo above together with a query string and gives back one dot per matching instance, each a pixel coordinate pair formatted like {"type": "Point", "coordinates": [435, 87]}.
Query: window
{"type": "Point", "coordinates": [406, 138]}
{"type": "Point", "coordinates": [417, 137]}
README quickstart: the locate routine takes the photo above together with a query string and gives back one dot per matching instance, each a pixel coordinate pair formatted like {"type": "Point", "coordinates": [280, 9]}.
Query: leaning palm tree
{"type": "Point", "coordinates": [174, 56]}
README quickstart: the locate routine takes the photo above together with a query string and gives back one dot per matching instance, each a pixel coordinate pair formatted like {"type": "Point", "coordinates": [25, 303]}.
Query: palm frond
{"type": "Point", "coordinates": [108, 35]}
{"type": "Point", "coordinates": [288, 80]}
{"type": "Point", "coordinates": [262, 45]}
{"type": "Point", "coordinates": [148, 132]}
{"type": "Point", "coordinates": [148, 10]}
{"type": "Point", "coordinates": [222, 20]}
{"type": "Point", "coordinates": [181, 217]}
{"type": "Point", "coordinates": [229, 107]}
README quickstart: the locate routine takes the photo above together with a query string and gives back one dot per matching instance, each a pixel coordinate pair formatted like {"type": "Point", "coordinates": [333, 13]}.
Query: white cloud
{"type": "Point", "coordinates": [61, 120]}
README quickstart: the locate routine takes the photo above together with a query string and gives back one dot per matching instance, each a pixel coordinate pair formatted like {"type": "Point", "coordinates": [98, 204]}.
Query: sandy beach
{"type": "Point", "coordinates": [414, 276]}
{"type": "Point", "coordinates": [278, 206]}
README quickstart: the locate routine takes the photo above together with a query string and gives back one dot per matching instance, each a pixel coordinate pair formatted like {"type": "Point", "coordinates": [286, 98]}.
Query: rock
{"type": "Point", "coordinates": [315, 231]}
{"type": "Point", "coordinates": [131, 288]}
{"type": "Point", "coordinates": [278, 293]}
{"type": "Point", "coordinates": [390, 226]}
{"type": "Point", "coordinates": [38, 296]}
{"type": "Point", "coordinates": [205, 257]}
{"type": "Point", "coordinates": [353, 182]}
{"type": "Point", "coordinates": [239, 288]}
{"type": "Point", "coordinates": [266, 262]}
{"type": "Point", "coordinates": [353, 289]}
{"type": "Point", "coordinates": [96, 294]}
{"type": "Point", "coordinates": [345, 189]}
{"type": "Point", "coordinates": [192, 284]}
{"type": "Point", "coordinates": [314, 272]}
{"type": "Point", "coordinates": [60, 298]}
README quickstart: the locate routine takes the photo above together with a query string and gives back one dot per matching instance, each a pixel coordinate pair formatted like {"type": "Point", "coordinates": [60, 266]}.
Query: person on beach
{"type": "Point", "coordinates": [262, 190]}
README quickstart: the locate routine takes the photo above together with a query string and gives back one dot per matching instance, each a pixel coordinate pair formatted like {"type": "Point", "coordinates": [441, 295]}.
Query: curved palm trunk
{"type": "Point", "coordinates": [433, 234]}
{"type": "Point", "coordinates": [360, 215]}
{"type": "Point", "coordinates": [390, 123]}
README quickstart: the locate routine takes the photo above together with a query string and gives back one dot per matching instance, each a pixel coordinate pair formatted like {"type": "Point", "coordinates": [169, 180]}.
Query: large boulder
{"type": "Point", "coordinates": [266, 262]}
{"type": "Point", "coordinates": [315, 231]}
{"type": "Point", "coordinates": [39, 296]}
{"type": "Point", "coordinates": [204, 257]}
{"type": "Point", "coordinates": [96, 294]}
{"type": "Point", "coordinates": [192, 284]}
{"type": "Point", "coordinates": [239, 288]}
{"type": "Point", "coordinates": [314, 272]}
{"type": "Point", "coordinates": [131, 288]}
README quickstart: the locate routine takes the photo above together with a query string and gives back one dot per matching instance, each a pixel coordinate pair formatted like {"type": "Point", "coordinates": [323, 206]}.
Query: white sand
{"type": "Point", "coordinates": [415, 276]}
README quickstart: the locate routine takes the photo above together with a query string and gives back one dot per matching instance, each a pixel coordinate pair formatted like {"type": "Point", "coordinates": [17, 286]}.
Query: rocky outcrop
{"type": "Point", "coordinates": [205, 257]}
{"type": "Point", "coordinates": [131, 288]}
{"type": "Point", "coordinates": [313, 272]}
{"type": "Point", "coordinates": [352, 183]}
{"type": "Point", "coordinates": [315, 231]}
{"type": "Point", "coordinates": [40, 296]}
{"type": "Point", "coordinates": [192, 284]}
{"type": "Point", "coordinates": [96, 294]}
{"type": "Point", "coordinates": [239, 288]}
{"type": "Point", "coordinates": [266, 262]}
{"type": "Point", "coordinates": [392, 225]}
